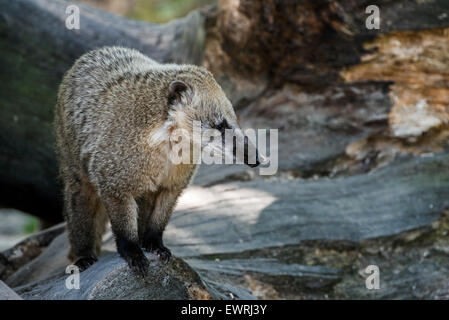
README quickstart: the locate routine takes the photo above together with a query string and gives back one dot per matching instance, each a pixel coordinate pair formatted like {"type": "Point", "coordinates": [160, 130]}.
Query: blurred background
{"type": "Point", "coordinates": [157, 11]}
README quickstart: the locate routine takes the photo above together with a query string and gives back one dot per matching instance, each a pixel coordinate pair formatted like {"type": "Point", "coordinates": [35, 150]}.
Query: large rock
{"type": "Point", "coordinates": [241, 216]}
{"type": "Point", "coordinates": [284, 237]}
{"type": "Point", "coordinates": [110, 278]}
{"type": "Point", "coordinates": [295, 238]}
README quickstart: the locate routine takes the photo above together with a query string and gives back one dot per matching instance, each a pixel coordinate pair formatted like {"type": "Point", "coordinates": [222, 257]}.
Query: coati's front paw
{"type": "Point", "coordinates": [152, 242]}
{"type": "Point", "coordinates": [139, 264]}
{"type": "Point", "coordinates": [134, 256]}
{"type": "Point", "coordinates": [84, 262]}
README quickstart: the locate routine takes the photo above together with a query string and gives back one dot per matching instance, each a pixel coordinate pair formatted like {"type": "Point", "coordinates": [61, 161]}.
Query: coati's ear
{"type": "Point", "coordinates": [175, 91]}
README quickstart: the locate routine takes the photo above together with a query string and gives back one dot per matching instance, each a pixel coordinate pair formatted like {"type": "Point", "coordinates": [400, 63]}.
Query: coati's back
{"type": "Point", "coordinates": [88, 96]}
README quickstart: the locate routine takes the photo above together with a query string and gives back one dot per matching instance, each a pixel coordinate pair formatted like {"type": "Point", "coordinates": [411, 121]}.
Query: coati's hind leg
{"type": "Point", "coordinates": [164, 204]}
{"type": "Point", "coordinates": [85, 222]}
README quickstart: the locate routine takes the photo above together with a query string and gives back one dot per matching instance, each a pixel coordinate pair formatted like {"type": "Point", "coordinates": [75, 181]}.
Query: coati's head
{"type": "Point", "coordinates": [195, 97]}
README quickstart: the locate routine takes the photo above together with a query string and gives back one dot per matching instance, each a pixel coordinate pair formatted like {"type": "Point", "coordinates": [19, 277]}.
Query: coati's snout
{"type": "Point", "coordinates": [237, 144]}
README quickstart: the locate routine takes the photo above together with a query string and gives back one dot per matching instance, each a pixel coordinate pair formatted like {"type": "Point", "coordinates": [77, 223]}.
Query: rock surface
{"type": "Point", "coordinates": [111, 279]}
{"type": "Point", "coordinates": [241, 216]}
{"type": "Point", "coordinates": [284, 237]}
{"type": "Point", "coordinates": [295, 238]}
{"type": "Point", "coordinates": [6, 293]}
{"type": "Point", "coordinates": [45, 277]}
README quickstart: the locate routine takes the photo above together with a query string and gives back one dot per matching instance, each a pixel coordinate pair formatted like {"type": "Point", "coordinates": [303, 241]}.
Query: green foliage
{"type": "Point", "coordinates": [31, 226]}
{"type": "Point", "coordinates": [161, 11]}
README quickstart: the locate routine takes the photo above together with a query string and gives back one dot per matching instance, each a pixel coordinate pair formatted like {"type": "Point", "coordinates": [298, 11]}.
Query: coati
{"type": "Point", "coordinates": [115, 110]}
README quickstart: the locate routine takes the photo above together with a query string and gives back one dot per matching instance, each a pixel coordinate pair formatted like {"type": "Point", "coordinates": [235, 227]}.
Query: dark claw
{"type": "Point", "coordinates": [163, 252]}
{"type": "Point", "coordinates": [84, 262]}
{"type": "Point", "coordinates": [153, 243]}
